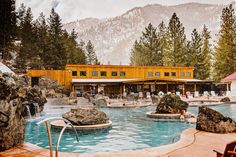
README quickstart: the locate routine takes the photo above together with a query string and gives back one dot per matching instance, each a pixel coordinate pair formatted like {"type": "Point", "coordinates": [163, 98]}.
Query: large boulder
{"type": "Point", "coordinates": [212, 121]}
{"type": "Point", "coordinates": [86, 116]}
{"type": "Point", "coordinates": [171, 104]}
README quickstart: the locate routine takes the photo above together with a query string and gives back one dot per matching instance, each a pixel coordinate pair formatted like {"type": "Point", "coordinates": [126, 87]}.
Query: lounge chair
{"type": "Point", "coordinates": [189, 95]}
{"type": "Point", "coordinates": [230, 150]}
{"type": "Point", "coordinates": [206, 94]}
{"type": "Point", "coordinates": [213, 93]}
{"type": "Point", "coordinates": [228, 93]}
{"type": "Point", "coordinates": [148, 95]}
{"type": "Point", "coordinates": [140, 95]}
{"type": "Point", "coordinates": [178, 93]}
{"type": "Point", "coordinates": [196, 94]}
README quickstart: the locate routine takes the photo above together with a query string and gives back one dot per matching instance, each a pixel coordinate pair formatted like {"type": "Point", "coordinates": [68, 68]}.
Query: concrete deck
{"type": "Point", "coordinates": [192, 143]}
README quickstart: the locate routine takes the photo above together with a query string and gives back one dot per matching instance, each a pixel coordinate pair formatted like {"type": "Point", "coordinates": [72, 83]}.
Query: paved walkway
{"type": "Point", "coordinates": [193, 143]}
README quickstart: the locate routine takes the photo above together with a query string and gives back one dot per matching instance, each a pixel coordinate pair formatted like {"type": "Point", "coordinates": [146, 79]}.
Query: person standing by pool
{"type": "Point", "coordinates": [182, 113]}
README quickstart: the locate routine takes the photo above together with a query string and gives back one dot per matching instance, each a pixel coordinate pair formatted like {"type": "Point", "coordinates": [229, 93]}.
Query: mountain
{"type": "Point", "coordinates": [113, 37]}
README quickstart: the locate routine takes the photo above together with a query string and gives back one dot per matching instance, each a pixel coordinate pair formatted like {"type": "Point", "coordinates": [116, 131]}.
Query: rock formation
{"type": "Point", "coordinates": [212, 121]}
{"type": "Point", "coordinates": [99, 100]}
{"type": "Point", "coordinates": [171, 104]}
{"type": "Point", "coordinates": [225, 99]}
{"type": "Point", "coordinates": [13, 101]}
{"type": "Point", "coordinates": [86, 116]}
{"type": "Point", "coordinates": [33, 98]}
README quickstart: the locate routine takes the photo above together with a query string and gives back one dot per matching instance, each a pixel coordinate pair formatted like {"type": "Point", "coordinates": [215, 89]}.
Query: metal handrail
{"type": "Point", "coordinates": [61, 133]}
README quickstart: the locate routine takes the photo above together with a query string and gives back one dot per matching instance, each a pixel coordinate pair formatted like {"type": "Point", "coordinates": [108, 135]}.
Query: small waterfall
{"type": "Point", "coordinates": [36, 109]}
{"type": "Point", "coordinates": [28, 111]}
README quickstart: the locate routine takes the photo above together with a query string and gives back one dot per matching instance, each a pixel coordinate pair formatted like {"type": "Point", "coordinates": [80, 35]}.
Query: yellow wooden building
{"type": "Point", "coordinates": [115, 79]}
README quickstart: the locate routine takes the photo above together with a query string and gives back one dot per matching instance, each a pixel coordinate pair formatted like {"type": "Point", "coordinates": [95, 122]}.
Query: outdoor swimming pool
{"type": "Point", "coordinates": [131, 130]}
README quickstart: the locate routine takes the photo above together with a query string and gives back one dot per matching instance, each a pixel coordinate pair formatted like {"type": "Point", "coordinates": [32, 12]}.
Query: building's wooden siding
{"type": "Point", "coordinates": [64, 77]}
{"type": "Point", "coordinates": [131, 71]}
{"type": "Point", "coordinates": [58, 75]}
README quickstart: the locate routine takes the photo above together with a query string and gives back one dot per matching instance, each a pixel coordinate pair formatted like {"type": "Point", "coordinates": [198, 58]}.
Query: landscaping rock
{"type": "Point", "coordinates": [212, 121]}
{"type": "Point", "coordinates": [86, 117]}
{"type": "Point", "coordinates": [100, 102]}
{"type": "Point", "coordinates": [225, 99]}
{"type": "Point", "coordinates": [171, 104]}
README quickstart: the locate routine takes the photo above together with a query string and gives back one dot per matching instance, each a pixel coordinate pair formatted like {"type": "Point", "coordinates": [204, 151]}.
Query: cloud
{"type": "Point", "coordinates": [71, 10]}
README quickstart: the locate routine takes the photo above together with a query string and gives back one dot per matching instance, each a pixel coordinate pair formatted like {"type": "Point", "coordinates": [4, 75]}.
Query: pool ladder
{"type": "Point", "coordinates": [47, 124]}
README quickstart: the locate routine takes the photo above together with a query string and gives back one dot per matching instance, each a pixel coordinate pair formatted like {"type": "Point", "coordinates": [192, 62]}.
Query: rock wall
{"type": "Point", "coordinates": [212, 121]}
{"type": "Point", "coordinates": [11, 118]}
{"type": "Point", "coordinates": [171, 104]}
{"type": "Point", "coordinates": [15, 99]}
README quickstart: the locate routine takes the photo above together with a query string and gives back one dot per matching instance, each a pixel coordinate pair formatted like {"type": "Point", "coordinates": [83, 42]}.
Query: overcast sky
{"type": "Point", "coordinates": [71, 10]}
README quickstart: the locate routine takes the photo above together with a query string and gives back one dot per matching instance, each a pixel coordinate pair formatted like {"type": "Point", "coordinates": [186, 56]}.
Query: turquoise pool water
{"type": "Point", "coordinates": [131, 130]}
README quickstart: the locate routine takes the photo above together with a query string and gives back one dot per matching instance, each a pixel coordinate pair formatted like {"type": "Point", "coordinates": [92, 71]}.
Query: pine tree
{"type": "Point", "coordinates": [206, 53]}
{"type": "Point", "coordinates": [162, 35]}
{"type": "Point", "coordinates": [20, 19]}
{"type": "Point", "coordinates": [148, 50]}
{"type": "Point", "coordinates": [7, 27]}
{"type": "Point", "coordinates": [225, 52]}
{"type": "Point", "coordinates": [176, 41]}
{"type": "Point", "coordinates": [42, 40]}
{"type": "Point", "coordinates": [196, 56]}
{"type": "Point", "coordinates": [91, 55]}
{"type": "Point", "coordinates": [136, 57]}
{"type": "Point", "coordinates": [75, 54]}
{"type": "Point", "coordinates": [27, 46]}
{"type": "Point", "coordinates": [56, 56]}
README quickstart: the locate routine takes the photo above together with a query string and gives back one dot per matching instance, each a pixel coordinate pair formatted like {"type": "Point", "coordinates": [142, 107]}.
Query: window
{"type": "Point", "coordinates": [113, 73]}
{"type": "Point", "coordinates": [167, 74]}
{"type": "Point", "coordinates": [158, 74]}
{"type": "Point", "coordinates": [188, 74]}
{"type": "Point", "coordinates": [122, 73]}
{"type": "Point", "coordinates": [82, 73]}
{"type": "Point", "coordinates": [94, 73]}
{"type": "Point", "coordinates": [173, 73]}
{"type": "Point", "coordinates": [150, 74]}
{"type": "Point", "coordinates": [103, 73]}
{"type": "Point", "coordinates": [74, 73]}
{"type": "Point", "coordinates": [181, 73]}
